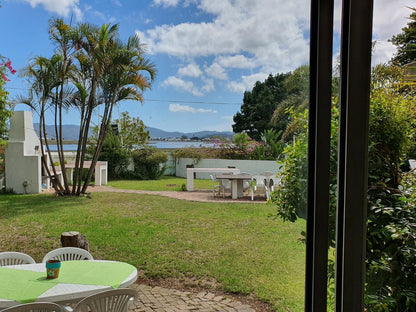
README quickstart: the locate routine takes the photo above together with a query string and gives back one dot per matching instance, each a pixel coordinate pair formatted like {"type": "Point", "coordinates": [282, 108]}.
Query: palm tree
{"type": "Point", "coordinates": [126, 75]}
{"type": "Point", "coordinates": [91, 68]}
{"type": "Point", "coordinates": [95, 44]}
{"type": "Point", "coordinates": [42, 74]}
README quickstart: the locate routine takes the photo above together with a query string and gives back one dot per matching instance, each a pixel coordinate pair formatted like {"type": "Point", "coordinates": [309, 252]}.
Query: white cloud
{"type": "Point", "coordinates": [178, 108]}
{"type": "Point", "coordinates": [181, 84]}
{"type": "Point", "coordinates": [236, 61]}
{"type": "Point", "coordinates": [166, 3]}
{"type": "Point", "coordinates": [60, 7]}
{"type": "Point", "coordinates": [216, 71]}
{"type": "Point", "coordinates": [383, 51]}
{"type": "Point", "coordinates": [257, 37]}
{"type": "Point", "coordinates": [173, 3]}
{"type": "Point", "coordinates": [274, 32]}
{"type": "Point", "coordinates": [117, 3]}
{"type": "Point", "coordinates": [191, 70]}
{"type": "Point", "coordinates": [209, 85]}
{"type": "Point", "coordinates": [390, 16]}
{"type": "Point", "coordinates": [246, 83]}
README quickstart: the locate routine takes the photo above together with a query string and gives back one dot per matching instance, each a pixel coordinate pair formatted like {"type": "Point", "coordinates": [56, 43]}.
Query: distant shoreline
{"type": "Point", "coordinates": [163, 144]}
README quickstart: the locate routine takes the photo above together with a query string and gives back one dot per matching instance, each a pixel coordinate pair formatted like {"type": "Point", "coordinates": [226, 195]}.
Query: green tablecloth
{"type": "Point", "coordinates": [26, 286]}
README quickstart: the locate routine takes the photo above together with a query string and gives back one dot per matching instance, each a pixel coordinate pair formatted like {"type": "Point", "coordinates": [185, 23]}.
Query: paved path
{"type": "Point", "coordinates": [197, 195]}
{"type": "Point", "coordinates": [158, 299]}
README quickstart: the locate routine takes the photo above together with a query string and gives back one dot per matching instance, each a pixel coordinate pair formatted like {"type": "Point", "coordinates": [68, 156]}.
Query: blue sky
{"type": "Point", "coordinates": [207, 52]}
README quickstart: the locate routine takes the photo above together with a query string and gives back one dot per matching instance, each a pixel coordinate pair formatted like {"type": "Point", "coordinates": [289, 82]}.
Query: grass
{"type": "Point", "coordinates": [239, 245]}
{"type": "Point", "coordinates": [165, 183]}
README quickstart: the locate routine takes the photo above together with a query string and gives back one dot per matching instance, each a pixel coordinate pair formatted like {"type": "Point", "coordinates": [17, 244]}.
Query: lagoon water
{"type": "Point", "coordinates": [158, 144]}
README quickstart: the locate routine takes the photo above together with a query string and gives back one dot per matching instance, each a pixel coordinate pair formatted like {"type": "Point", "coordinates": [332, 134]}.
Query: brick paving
{"type": "Point", "coordinates": [159, 299]}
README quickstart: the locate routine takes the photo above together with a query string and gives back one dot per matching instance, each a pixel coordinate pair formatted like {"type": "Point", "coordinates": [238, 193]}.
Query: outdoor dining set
{"type": "Point", "coordinates": [238, 183]}
{"type": "Point", "coordinates": [69, 279]}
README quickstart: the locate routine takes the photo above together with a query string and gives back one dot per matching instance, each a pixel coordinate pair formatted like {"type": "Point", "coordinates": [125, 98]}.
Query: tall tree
{"type": "Point", "coordinates": [91, 68]}
{"type": "Point", "coordinates": [42, 73]}
{"type": "Point", "coordinates": [259, 105]}
{"type": "Point", "coordinates": [132, 131]}
{"type": "Point", "coordinates": [125, 75]}
{"type": "Point", "coordinates": [406, 42]}
{"type": "Point", "coordinates": [297, 86]}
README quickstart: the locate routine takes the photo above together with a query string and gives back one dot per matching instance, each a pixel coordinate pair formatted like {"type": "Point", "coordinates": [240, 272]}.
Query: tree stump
{"type": "Point", "coordinates": [74, 239]}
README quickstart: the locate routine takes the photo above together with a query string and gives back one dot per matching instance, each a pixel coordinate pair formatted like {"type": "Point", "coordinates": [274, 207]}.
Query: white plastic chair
{"type": "Point", "coordinates": [262, 183]}
{"type": "Point", "coordinates": [13, 258]}
{"type": "Point", "coordinates": [116, 300]}
{"type": "Point", "coordinates": [216, 185]}
{"type": "Point", "coordinates": [67, 254]}
{"type": "Point", "coordinates": [226, 184]}
{"type": "Point", "coordinates": [36, 307]}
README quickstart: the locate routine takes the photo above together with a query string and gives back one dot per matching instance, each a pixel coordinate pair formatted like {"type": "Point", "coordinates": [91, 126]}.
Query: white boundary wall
{"type": "Point", "coordinates": [248, 166]}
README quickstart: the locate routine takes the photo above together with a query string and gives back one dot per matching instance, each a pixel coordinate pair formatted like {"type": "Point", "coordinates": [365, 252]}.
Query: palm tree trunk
{"type": "Point", "coordinates": [84, 140]}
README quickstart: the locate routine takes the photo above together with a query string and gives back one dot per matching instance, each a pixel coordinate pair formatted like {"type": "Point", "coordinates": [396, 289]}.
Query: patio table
{"type": "Point", "coordinates": [77, 279]}
{"type": "Point", "coordinates": [190, 174]}
{"type": "Point", "coordinates": [236, 182]}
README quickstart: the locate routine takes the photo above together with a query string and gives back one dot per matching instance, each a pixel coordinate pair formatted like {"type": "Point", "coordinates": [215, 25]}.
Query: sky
{"type": "Point", "coordinates": [207, 52]}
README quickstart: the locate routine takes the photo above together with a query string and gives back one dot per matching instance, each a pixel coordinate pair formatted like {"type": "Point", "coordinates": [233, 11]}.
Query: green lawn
{"type": "Point", "coordinates": [239, 245]}
{"type": "Point", "coordinates": [165, 183]}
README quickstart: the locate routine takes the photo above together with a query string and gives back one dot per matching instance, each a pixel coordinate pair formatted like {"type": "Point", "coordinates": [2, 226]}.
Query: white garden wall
{"type": "Point", "coordinates": [249, 166]}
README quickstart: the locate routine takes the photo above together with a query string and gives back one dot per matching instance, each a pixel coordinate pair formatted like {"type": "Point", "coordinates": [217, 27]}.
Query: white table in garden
{"type": "Point", "coordinates": [190, 174]}
{"type": "Point", "coordinates": [237, 181]}
{"type": "Point", "coordinates": [77, 280]}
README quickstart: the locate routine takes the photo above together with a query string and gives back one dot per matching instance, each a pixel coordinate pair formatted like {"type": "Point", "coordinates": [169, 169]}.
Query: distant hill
{"type": "Point", "coordinates": [158, 133]}
{"type": "Point", "coordinates": [70, 132]}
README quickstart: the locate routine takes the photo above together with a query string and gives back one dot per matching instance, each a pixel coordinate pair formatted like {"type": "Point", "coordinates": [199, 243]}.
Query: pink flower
{"type": "Point", "coordinates": [13, 71]}
{"type": "Point", "coordinates": [5, 78]}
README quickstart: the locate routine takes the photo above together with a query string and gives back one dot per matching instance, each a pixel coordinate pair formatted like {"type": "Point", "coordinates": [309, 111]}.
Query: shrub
{"type": "Point", "coordinates": [147, 163]}
{"type": "Point", "coordinates": [391, 231]}
{"type": "Point", "coordinates": [116, 156]}
{"type": "Point", "coordinates": [391, 252]}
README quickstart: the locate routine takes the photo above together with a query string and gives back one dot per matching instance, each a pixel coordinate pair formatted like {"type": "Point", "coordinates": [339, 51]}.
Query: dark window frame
{"type": "Point", "coordinates": [353, 150]}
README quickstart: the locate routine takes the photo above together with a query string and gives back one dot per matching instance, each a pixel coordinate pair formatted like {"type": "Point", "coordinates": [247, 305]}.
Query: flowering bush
{"type": "Point", "coordinates": [4, 112]}
{"type": "Point", "coordinates": [4, 66]}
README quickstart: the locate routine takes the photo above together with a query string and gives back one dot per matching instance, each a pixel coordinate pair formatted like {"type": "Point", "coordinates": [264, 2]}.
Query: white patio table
{"type": "Point", "coordinates": [190, 174]}
{"type": "Point", "coordinates": [236, 182]}
{"type": "Point", "coordinates": [77, 280]}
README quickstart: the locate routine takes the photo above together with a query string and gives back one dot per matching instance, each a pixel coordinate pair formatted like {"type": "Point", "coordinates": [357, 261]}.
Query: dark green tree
{"type": "Point", "coordinates": [406, 42]}
{"type": "Point", "coordinates": [258, 107]}
{"type": "Point", "coordinates": [297, 86]}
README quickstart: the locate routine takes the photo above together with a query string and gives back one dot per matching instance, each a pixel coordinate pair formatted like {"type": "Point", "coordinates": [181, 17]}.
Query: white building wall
{"type": "Point", "coordinates": [23, 158]}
